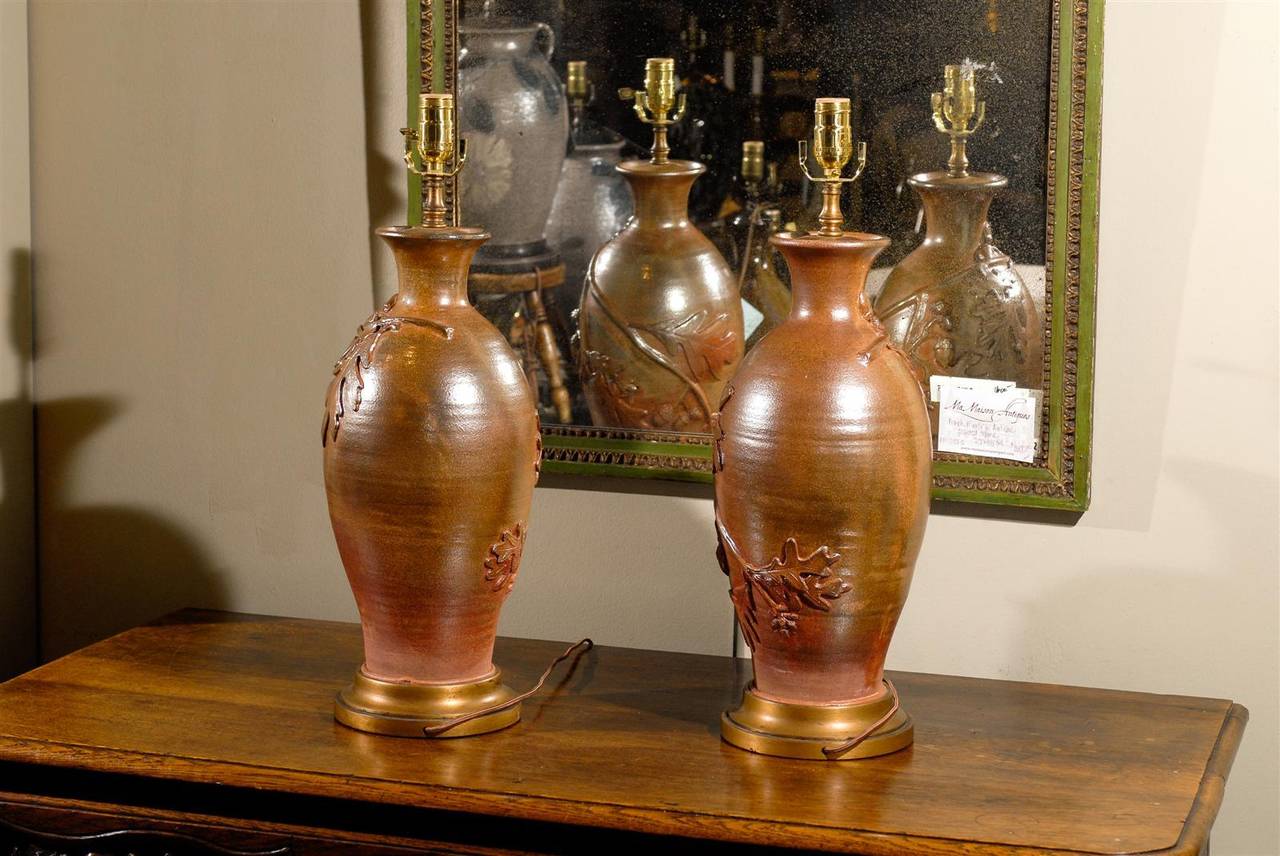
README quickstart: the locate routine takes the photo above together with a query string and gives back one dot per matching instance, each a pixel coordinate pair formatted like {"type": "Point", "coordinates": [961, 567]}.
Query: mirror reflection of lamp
{"type": "Point", "coordinates": [957, 113]}
{"type": "Point", "coordinates": [654, 104]}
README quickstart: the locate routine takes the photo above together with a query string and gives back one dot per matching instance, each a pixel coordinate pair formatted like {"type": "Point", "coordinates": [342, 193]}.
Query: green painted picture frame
{"type": "Point", "coordinates": [1060, 478]}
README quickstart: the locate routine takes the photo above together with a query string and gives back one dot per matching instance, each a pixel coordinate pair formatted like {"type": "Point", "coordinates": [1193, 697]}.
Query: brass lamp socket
{"type": "Point", "coordinates": [660, 84]}
{"type": "Point", "coordinates": [832, 134]}
{"type": "Point", "coordinates": [753, 161]}
{"type": "Point", "coordinates": [435, 128]}
{"type": "Point", "coordinates": [576, 85]}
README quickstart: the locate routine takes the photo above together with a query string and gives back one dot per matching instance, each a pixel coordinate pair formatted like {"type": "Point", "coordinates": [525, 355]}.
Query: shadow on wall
{"type": "Point", "coordinates": [17, 518]}
{"type": "Point", "coordinates": [103, 568]}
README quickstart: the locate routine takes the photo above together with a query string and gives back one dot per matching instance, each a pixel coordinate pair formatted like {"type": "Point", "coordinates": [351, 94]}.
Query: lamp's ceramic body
{"type": "Point", "coordinates": [431, 451]}
{"type": "Point", "coordinates": [660, 321]}
{"type": "Point", "coordinates": [822, 468]}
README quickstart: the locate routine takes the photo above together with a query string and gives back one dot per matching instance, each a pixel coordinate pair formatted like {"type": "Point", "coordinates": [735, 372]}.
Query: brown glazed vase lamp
{"type": "Point", "coordinates": [956, 305]}
{"type": "Point", "coordinates": [822, 471]}
{"type": "Point", "coordinates": [431, 451]}
{"type": "Point", "coordinates": [660, 323]}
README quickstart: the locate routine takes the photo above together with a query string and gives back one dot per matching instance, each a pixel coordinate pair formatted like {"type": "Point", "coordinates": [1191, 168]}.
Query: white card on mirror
{"type": "Point", "coordinates": [751, 318]}
{"type": "Point", "coordinates": [981, 421]}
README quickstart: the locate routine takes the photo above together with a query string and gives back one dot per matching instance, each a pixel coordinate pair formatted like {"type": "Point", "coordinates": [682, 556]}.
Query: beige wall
{"type": "Point", "coordinates": [17, 507]}
{"type": "Point", "coordinates": [202, 256]}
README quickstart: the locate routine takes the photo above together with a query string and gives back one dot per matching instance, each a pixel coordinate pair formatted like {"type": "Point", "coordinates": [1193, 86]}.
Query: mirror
{"type": "Point", "coordinates": [980, 122]}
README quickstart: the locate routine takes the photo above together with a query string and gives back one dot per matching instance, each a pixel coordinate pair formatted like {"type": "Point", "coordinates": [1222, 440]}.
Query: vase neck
{"type": "Point", "coordinates": [829, 275]}
{"type": "Point", "coordinates": [661, 191]}
{"type": "Point", "coordinates": [955, 209]}
{"type": "Point", "coordinates": [432, 265]}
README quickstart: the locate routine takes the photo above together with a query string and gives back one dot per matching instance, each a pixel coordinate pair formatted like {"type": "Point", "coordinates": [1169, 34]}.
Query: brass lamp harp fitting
{"type": "Point", "coordinates": [957, 112]}
{"type": "Point", "coordinates": [429, 149]}
{"type": "Point", "coordinates": [832, 150]}
{"type": "Point", "coordinates": [654, 104]}
{"type": "Point", "coordinates": [576, 85]}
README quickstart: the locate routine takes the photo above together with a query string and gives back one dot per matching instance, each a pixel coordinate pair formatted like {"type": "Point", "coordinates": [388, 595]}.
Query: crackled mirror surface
{"type": "Point", "coordinates": [632, 298]}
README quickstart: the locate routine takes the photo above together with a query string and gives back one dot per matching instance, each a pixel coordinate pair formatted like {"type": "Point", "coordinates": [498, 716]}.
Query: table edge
{"type": "Point", "coordinates": [675, 822]}
{"type": "Point", "coordinates": [1213, 784]}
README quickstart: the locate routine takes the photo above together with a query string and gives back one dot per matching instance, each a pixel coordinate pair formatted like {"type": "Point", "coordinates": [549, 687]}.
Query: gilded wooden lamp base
{"type": "Point", "coordinates": [404, 710]}
{"type": "Point", "coordinates": [802, 731]}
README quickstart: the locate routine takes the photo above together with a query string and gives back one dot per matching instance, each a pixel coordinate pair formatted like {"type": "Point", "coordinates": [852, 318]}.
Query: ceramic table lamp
{"type": "Point", "coordinates": [431, 451]}
{"type": "Point", "coordinates": [956, 305]}
{"type": "Point", "coordinates": [660, 323]}
{"type": "Point", "coordinates": [822, 460]}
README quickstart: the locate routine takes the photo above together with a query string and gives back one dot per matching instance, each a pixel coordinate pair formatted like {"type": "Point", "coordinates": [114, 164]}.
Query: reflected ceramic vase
{"type": "Point", "coordinates": [592, 204]}
{"type": "Point", "coordinates": [822, 474]}
{"type": "Point", "coordinates": [759, 279]}
{"type": "Point", "coordinates": [956, 304]}
{"type": "Point", "coordinates": [660, 323]}
{"type": "Point", "coordinates": [515, 120]}
{"type": "Point", "coordinates": [431, 451]}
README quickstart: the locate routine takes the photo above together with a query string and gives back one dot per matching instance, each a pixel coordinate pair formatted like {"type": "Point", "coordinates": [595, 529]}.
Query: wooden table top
{"type": "Point", "coordinates": [630, 740]}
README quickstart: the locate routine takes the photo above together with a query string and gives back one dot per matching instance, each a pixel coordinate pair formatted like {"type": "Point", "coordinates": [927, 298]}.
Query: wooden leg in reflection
{"type": "Point", "coordinates": [549, 353]}
{"type": "Point", "coordinates": [521, 339]}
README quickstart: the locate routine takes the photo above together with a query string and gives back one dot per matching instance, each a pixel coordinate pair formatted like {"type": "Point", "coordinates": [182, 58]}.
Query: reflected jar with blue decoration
{"type": "Point", "coordinates": [593, 201]}
{"type": "Point", "coordinates": [515, 119]}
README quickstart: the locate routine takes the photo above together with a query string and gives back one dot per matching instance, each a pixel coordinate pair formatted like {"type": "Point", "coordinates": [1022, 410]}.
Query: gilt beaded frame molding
{"type": "Point", "coordinates": [1059, 477]}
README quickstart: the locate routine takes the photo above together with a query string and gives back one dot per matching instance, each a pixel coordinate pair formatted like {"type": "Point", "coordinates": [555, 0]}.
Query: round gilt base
{"type": "Point", "coordinates": [405, 709]}
{"type": "Point", "coordinates": [802, 731]}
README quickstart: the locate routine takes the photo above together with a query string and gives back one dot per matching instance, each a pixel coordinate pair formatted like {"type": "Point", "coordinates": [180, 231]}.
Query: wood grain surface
{"type": "Point", "coordinates": [629, 741]}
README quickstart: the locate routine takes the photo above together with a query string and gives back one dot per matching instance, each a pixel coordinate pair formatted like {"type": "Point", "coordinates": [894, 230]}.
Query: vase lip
{"type": "Point", "coordinates": [674, 168]}
{"type": "Point", "coordinates": [434, 233]}
{"type": "Point", "coordinates": [495, 26]}
{"type": "Point", "coordinates": [843, 241]}
{"type": "Point", "coordinates": [972, 181]}
{"type": "Point", "coordinates": [614, 145]}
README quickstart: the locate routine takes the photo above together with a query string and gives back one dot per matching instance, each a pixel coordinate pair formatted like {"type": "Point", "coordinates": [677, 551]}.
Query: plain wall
{"type": "Point", "coordinates": [202, 256]}
{"type": "Point", "coordinates": [17, 482]}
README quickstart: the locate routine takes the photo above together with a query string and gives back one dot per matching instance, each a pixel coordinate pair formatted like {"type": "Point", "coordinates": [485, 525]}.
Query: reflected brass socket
{"type": "Point", "coordinates": [428, 150]}
{"type": "Point", "coordinates": [576, 85]}
{"type": "Point", "coordinates": [957, 112]}
{"type": "Point", "coordinates": [753, 161]}
{"type": "Point", "coordinates": [653, 106]}
{"type": "Point", "coordinates": [833, 148]}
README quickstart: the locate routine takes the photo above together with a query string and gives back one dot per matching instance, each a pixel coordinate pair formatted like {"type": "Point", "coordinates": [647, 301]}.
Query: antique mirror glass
{"type": "Point", "coordinates": [980, 120]}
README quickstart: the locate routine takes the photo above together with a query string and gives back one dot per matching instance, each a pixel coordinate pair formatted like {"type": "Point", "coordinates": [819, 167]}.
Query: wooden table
{"type": "Point", "coordinates": [213, 733]}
